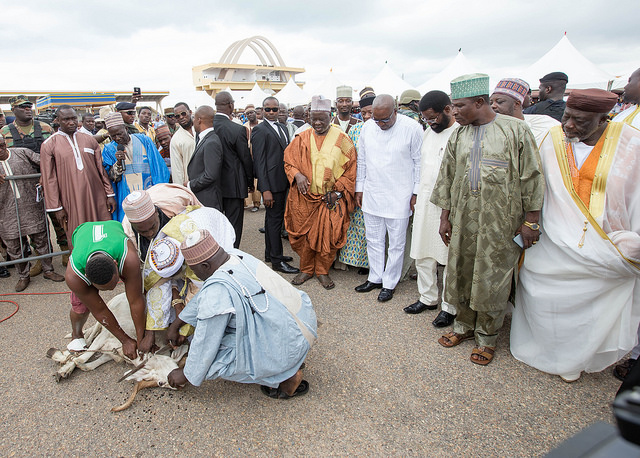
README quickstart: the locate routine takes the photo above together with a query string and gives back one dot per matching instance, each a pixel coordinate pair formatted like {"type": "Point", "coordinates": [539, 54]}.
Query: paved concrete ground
{"type": "Point", "coordinates": [380, 386]}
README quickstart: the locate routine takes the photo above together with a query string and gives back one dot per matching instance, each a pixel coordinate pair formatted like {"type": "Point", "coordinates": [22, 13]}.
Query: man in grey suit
{"type": "Point", "coordinates": [205, 166]}
{"type": "Point", "coordinates": [237, 165]}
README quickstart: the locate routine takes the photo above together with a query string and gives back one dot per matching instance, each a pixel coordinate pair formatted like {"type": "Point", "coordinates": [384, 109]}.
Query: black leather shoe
{"type": "Point", "coordinates": [285, 268]}
{"type": "Point", "coordinates": [385, 295]}
{"type": "Point", "coordinates": [368, 286]}
{"type": "Point", "coordinates": [284, 234]}
{"type": "Point", "coordinates": [419, 307]}
{"type": "Point", "coordinates": [4, 273]}
{"type": "Point", "coordinates": [443, 319]}
{"type": "Point", "coordinates": [261, 230]}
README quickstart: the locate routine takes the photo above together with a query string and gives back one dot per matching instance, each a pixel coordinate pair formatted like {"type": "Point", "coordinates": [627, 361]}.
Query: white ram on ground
{"type": "Point", "coordinates": [105, 347]}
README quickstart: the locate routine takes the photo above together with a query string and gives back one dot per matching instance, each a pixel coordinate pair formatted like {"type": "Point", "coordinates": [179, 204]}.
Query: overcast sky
{"type": "Point", "coordinates": [113, 46]}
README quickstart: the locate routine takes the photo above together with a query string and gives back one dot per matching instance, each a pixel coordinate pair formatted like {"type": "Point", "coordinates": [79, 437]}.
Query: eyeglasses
{"type": "Point", "coordinates": [382, 121]}
{"type": "Point", "coordinates": [270, 110]}
{"type": "Point", "coordinates": [431, 120]}
{"type": "Point", "coordinates": [184, 113]}
{"type": "Point", "coordinates": [131, 112]}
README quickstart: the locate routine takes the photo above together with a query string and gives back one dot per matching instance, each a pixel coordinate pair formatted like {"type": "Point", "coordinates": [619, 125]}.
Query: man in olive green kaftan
{"type": "Point", "coordinates": [490, 188]}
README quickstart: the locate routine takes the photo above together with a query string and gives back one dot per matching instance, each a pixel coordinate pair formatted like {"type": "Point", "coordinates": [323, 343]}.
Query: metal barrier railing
{"type": "Point", "coordinates": [22, 247]}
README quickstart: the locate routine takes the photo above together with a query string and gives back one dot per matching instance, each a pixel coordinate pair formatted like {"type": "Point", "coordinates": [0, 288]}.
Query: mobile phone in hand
{"type": "Point", "coordinates": [519, 241]}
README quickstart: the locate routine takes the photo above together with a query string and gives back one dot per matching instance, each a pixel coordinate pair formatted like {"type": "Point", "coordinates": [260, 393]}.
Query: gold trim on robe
{"type": "Point", "coordinates": [596, 205]}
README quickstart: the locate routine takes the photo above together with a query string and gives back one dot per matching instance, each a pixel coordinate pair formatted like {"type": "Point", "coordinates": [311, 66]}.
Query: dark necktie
{"type": "Point", "coordinates": [283, 136]}
{"type": "Point", "coordinates": [197, 138]}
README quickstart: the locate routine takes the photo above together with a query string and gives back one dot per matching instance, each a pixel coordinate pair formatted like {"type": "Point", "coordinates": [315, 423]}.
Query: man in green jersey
{"type": "Point", "coordinates": [102, 255]}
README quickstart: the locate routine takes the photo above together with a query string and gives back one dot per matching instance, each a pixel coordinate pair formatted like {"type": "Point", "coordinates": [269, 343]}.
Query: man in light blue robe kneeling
{"type": "Point", "coordinates": [251, 325]}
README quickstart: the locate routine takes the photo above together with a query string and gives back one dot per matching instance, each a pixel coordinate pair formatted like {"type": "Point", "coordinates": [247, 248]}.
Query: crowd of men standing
{"type": "Point", "coordinates": [509, 202]}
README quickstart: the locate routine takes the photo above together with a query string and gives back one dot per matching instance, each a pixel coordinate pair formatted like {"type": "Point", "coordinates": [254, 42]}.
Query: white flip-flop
{"type": "Point", "coordinates": [77, 345]}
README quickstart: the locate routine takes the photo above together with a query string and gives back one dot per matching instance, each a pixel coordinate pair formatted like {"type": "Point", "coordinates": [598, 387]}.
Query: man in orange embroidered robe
{"type": "Point", "coordinates": [320, 164]}
{"type": "Point", "coordinates": [578, 299]}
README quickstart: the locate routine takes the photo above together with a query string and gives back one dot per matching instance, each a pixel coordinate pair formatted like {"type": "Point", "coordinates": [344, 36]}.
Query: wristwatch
{"type": "Point", "coordinates": [338, 194]}
{"type": "Point", "coordinates": [532, 226]}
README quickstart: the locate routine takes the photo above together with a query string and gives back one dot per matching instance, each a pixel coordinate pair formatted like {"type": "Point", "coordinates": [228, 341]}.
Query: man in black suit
{"type": "Point", "coordinates": [237, 165]}
{"type": "Point", "coordinates": [268, 141]}
{"type": "Point", "coordinates": [205, 166]}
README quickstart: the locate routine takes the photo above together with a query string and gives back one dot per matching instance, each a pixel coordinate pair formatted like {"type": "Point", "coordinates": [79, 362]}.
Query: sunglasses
{"type": "Point", "coordinates": [170, 116]}
{"type": "Point", "coordinates": [270, 110]}
{"type": "Point", "coordinates": [184, 113]}
{"type": "Point", "coordinates": [131, 112]}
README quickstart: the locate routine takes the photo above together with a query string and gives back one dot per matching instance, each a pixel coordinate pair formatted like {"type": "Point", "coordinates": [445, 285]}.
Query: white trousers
{"type": "Point", "coordinates": [428, 283]}
{"type": "Point", "coordinates": [377, 228]}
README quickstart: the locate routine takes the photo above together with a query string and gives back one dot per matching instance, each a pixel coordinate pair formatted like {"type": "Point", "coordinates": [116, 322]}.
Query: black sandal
{"type": "Point", "coordinates": [622, 370]}
{"type": "Point", "coordinates": [275, 393]}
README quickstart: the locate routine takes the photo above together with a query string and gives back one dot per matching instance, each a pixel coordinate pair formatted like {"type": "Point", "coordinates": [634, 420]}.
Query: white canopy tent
{"type": "Point", "coordinates": [388, 82]}
{"type": "Point", "coordinates": [293, 95]}
{"type": "Point", "coordinates": [564, 57]}
{"type": "Point", "coordinates": [254, 97]}
{"type": "Point", "coordinates": [326, 88]}
{"type": "Point", "coordinates": [441, 82]}
{"type": "Point", "coordinates": [621, 81]}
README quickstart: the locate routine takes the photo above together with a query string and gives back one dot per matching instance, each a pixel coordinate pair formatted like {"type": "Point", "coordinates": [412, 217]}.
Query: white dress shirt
{"type": "Point", "coordinates": [203, 134]}
{"type": "Point", "coordinates": [389, 167]}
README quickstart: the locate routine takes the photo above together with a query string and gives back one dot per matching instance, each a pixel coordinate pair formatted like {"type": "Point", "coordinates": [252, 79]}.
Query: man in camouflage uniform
{"type": "Point", "coordinates": [25, 132]}
{"type": "Point", "coordinates": [408, 105]}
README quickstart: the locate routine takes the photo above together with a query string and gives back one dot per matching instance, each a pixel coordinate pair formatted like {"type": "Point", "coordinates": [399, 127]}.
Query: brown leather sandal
{"type": "Point", "coordinates": [300, 278]}
{"type": "Point", "coordinates": [326, 282]}
{"type": "Point", "coordinates": [451, 339]}
{"type": "Point", "coordinates": [482, 352]}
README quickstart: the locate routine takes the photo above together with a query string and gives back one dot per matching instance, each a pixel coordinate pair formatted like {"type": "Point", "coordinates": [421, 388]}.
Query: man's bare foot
{"type": "Point", "coordinates": [289, 386]}
{"type": "Point", "coordinates": [300, 278]}
{"type": "Point", "coordinates": [326, 282]}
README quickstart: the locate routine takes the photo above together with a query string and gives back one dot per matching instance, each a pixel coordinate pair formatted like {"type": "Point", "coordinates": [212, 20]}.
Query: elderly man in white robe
{"type": "Point", "coordinates": [427, 247]}
{"type": "Point", "coordinates": [578, 299]}
{"type": "Point", "coordinates": [387, 184]}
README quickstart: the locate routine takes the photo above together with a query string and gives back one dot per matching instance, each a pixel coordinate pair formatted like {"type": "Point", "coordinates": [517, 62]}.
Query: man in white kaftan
{"type": "Point", "coordinates": [387, 182]}
{"type": "Point", "coordinates": [578, 299]}
{"type": "Point", "coordinates": [427, 247]}
{"type": "Point", "coordinates": [631, 95]}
